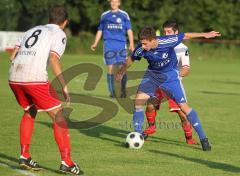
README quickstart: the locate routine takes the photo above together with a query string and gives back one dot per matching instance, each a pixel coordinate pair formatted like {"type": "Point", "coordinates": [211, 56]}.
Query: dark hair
{"type": "Point", "coordinates": [57, 14]}
{"type": "Point", "coordinates": [171, 24]}
{"type": "Point", "coordinates": [147, 33]}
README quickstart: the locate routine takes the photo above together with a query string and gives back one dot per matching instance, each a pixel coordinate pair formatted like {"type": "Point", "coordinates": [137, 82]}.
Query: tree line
{"type": "Point", "coordinates": [84, 15]}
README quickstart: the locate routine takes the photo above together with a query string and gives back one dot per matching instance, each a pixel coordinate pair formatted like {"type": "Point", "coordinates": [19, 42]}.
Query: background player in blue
{"type": "Point", "coordinates": [162, 72]}
{"type": "Point", "coordinates": [114, 26]}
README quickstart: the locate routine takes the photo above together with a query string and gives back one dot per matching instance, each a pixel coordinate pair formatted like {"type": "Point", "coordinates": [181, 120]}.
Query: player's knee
{"type": "Point", "coordinates": [150, 108]}
{"type": "Point", "coordinates": [185, 108]}
{"type": "Point", "coordinates": [56, 114]}
{"type": "Point", "coordinates": [32, 111]}
{"type": "Point", "coordinates": [152, 104]}
{"type": "Point", "coordinates": [139, 103]}
{"type": "Point", "coordinates": [110, 69]}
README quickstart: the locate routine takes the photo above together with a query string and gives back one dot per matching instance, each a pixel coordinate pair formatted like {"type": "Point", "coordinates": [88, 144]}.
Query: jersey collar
{"type": "Point", "coordinates": [53, 25]}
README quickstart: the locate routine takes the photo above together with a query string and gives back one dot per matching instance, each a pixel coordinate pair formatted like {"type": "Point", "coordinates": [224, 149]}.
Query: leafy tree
{"type": "Point", "coordinates": [84, 15]}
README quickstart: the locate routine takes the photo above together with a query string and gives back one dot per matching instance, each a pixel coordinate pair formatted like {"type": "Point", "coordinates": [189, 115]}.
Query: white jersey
{"type": "Point", "coordinates": [30, 64]}
{"type": "Point", "coordinates": [182, 53]}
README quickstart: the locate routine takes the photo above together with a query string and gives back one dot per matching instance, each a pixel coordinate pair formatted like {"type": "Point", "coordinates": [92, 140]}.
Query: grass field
{"type": "Point", "coordinates": [212, 89]}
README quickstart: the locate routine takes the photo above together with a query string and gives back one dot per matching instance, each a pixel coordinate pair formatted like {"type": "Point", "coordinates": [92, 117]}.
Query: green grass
{"type": "Point", "coordinates": [212, 89]}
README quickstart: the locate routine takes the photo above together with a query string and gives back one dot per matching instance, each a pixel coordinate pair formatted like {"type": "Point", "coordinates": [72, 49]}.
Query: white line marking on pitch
{"type": "Point", "coordinates": [18, 170]}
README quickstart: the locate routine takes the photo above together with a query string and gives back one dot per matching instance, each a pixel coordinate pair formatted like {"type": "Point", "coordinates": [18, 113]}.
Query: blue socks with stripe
{"type": "Point", "coordinates": [196, 124]}
{"type": "Point", "coordinates": [110, 81]}
{"type": "Point", "coordinates": [138, 119]}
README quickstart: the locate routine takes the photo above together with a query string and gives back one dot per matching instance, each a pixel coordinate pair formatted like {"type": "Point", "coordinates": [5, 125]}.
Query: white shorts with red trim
{"type": "Point", "coordinates": [35, 94]}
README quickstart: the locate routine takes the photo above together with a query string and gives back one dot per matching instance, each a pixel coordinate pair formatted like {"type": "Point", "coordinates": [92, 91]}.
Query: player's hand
{"type": "Point", "coordinates": [93, 47]}
{"type": "Point", "coordinates": [131, 48]}
{"type": "Point", "coordinates": [66, 96]}
{"type": "Point", "coordinates": [212, 34]}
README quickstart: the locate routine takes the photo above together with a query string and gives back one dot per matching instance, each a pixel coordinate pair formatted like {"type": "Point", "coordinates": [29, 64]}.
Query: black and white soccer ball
{"type": "Point", "coordinates": [134, 140]}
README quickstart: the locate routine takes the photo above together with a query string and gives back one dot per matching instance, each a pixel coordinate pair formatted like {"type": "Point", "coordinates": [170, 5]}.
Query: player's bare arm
{"type": "Point", "coordinates": [97, 39]}
{"type": "Point", "coordinates": [131, 40]}
{"type": "Point", "coordinates": [14, 54]}
{"type": "Point", "coordinates": [57, 70]}
{"type": "Point", "coordinates": [211, 34]}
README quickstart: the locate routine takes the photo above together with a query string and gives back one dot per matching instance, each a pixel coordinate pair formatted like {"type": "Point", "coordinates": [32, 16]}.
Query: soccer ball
{"type": "Point", "coordinates": [134, 140]}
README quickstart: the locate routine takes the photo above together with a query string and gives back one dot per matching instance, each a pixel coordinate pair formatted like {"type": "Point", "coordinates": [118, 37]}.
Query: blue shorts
{"type": "Point", "coordinates": [169, 82]}
{"type": "Point", "coordinates": [115, 52]}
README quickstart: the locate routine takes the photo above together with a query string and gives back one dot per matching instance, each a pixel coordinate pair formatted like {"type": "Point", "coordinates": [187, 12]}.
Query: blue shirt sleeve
{"type": "Point", "coordinates": [171, 40]}
{"type": "Point", "coordinates": [128, 23]}
{"type": "Point", "coordinates": [138, 53]}
{"type": "Point", "coordinates": [180, 37]}
{"type": "Point", "coordinates": [101, 24]}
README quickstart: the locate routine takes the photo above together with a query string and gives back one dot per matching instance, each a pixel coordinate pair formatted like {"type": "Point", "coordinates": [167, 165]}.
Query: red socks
{"type": "Point", "coordinates": [26, 130]}
{"type": "Point", "coordinates": [61, 135]}
{"type": "Point", "coordinates": [62, 138]}
{"type": "Point", "coordinates": [187, 130]}
{"type": "Point", "coordinates": [188, 134]}
{"type": "Point", "coordinates": [151, 116]}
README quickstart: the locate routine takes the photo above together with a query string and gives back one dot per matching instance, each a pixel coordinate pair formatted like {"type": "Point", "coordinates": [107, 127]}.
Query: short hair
{"type": "Point", "coordinates": [57, 14]}
{"type": "Point", "coordinates": [147, 33]}
{"type": "Point", "coordinates": [171, 24]}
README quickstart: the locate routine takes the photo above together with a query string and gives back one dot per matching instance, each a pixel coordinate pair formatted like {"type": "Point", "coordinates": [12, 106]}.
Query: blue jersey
{"type": "Point", "coordinates": [114, 25]}
{"type": "Point", "coordinates": [162, 58]}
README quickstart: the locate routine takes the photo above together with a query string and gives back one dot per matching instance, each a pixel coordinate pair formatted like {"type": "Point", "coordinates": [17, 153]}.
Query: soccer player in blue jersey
{"type": "Point", "coordinates": [114, 26]}
{"type": "Point", "coordinates": [162, 73]}
{"type": "Point", "coordinates": [170, 27]}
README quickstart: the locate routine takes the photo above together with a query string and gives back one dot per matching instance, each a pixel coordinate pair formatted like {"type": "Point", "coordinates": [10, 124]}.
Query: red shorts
{"type": "Point", "coordinates": [38, 95]}
{"type": "Point", "coordinates": [173, 106]}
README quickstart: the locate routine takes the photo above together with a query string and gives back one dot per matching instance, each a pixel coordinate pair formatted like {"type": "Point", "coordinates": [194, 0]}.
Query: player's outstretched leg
{"type": "Point", "coordinates": [62, 138]}
{"type": "Point", "coordinates": [193, 118]}
{"type": "Point", "coordinates": [187, 127]}
{"type": "Point", "coordinates": [195, 122]}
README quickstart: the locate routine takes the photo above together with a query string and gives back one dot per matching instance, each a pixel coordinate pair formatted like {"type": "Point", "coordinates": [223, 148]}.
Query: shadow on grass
{"type": "Point", "coordinates": [219, 93]}
{"type": "Point", "coordinates": [15, 160]}
{"type": "Point", "coordinates": [226, 82]}
{"type": "Point", "coordinates": [211, 164]}
{"type": "Point", "coordinates": [111, 134]}
{"type": "Point", "coordinates": [101, 132]}
{"type": "Point", "coordinates": [172, 142]}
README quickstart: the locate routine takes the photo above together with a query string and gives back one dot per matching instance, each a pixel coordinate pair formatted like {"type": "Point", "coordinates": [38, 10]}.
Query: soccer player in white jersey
{"type": "Point", "coordinates": [29, 82]}
{"type": "Point", "coordinates": [170, 27]}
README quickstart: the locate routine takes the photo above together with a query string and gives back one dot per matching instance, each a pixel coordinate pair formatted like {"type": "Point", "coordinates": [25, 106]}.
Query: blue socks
{"type": "Point", "coordinates": [110, 81]}
{"type": "Point", "coordinates": [138, 119]}
{"type": "Point", "coordinates": [196, 124]}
